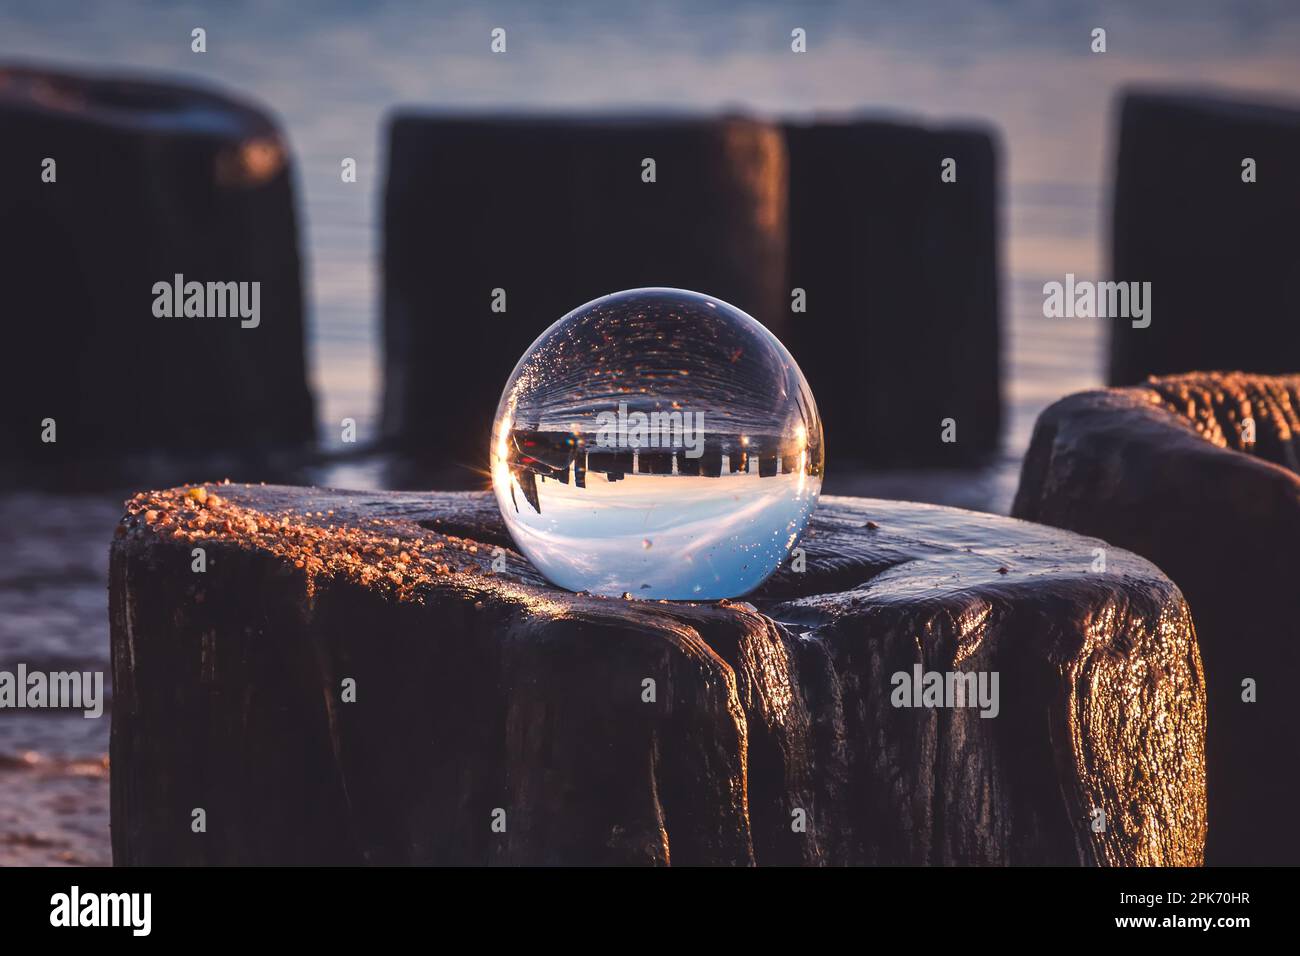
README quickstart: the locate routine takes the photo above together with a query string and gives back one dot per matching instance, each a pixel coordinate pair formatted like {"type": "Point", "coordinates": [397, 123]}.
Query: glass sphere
{"type": "Point", "coordinates": [657, 443]}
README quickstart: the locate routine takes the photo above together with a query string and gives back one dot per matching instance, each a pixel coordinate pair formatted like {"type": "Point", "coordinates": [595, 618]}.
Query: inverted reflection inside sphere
{"type": "Point", "coordinates": [657, 442]}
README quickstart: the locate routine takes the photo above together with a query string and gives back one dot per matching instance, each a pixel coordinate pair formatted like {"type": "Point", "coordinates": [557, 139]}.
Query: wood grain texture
{"type": "Point", "coordinates": [1166, 470]}
{"type": "Point", "coordinates": [479, 689]}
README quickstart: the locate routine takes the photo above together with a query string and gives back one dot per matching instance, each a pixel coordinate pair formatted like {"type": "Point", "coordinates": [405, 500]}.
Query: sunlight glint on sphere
{"type": "Point", "coordinates": [659, 443]}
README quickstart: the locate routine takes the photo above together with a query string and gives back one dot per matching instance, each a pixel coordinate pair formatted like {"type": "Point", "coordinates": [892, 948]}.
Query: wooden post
{"type": "Point", "coordinates": [1222, 254]}
{"type": "Point", "coordinates": [1165, 470]}
{"type": "Point", "coordinates": [496, 227]}
{"type": "Point", "coordinates": [496, 719]}
{"type": "Point", "coordinates": [900, 271]}
{"type": "Point", "coordinates": [145, 181]}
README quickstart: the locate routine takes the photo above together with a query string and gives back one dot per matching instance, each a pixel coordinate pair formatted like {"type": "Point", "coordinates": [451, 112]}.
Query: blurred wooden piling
{"type": "Point", "coordinates": [554, 212]}
{"type": "Point", "coordinates": [1222, 255]}
{"type": "Point", "coordinates": [896, 326]}
{"type": "Point", "coordinates": [150, 180]}
{"type": "Point", "coordinates": [902, 328]}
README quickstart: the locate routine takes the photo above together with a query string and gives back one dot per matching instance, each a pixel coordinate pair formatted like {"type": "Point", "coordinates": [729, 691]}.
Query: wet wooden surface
{"type": "Point", "coordinates": [1171, 471]}
{"type": "Point", "coordinates": [481, 690]}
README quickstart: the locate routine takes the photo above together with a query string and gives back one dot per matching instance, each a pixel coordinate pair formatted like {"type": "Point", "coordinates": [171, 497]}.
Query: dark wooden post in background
{"type": "Point", "coordinates": [901, 274]}
{"type": "Point", "coordinates": [555, 211]}
{"type": "Point", "coordinates": [149, 180]}
{"type": "Point", "coordinates": [1222, 255]}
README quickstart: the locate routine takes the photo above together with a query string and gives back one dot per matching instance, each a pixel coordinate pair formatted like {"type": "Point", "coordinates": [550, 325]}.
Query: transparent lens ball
{"type": "Point", "coordinates": [659, 443]}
